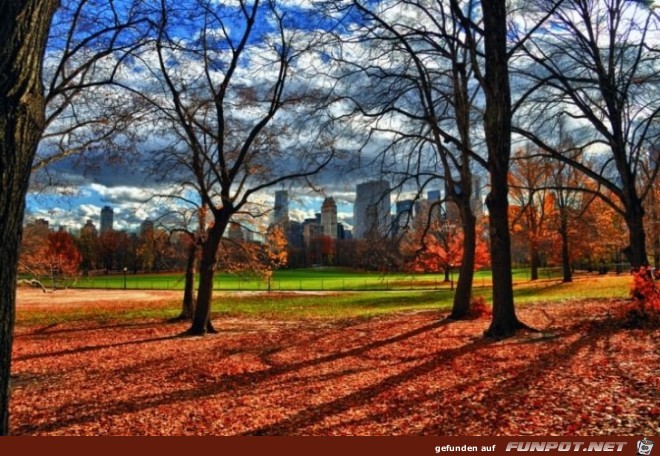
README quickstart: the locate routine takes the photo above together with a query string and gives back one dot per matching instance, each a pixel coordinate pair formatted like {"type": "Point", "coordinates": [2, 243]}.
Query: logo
{"type": "Point", "coordinates": [644, 447]}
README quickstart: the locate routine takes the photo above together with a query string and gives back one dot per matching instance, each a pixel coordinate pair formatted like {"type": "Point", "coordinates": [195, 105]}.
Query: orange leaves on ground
{"type": "Point", "coordinates": [399, 374]}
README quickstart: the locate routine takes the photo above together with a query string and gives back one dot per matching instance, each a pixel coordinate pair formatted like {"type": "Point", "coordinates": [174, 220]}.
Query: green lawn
{"type": "Point", "coordinates": [318, 279]}
{"type": "Point", "coordinates": [335, 305]}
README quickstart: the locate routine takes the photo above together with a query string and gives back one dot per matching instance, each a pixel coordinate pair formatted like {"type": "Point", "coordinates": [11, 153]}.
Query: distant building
{"type": "Point", "coordinates": [434, 195]}
{"type": "Point", "coordinates": [294, 234]}
{"type": "Point", "coordinates": [281, 210]}
{"type": "Point", "coordinates": [41, 223]}
{"type": "Point", "coordinates": [476, 203]}
{"type": "Point", "coordinates": [235, 232]}
{"type": "Point", "coordinates": [311, 229]}
{"type": "Point", "coordinates": [371, 212]}
{"type": "Point", "coordinates": [89, 229]}
{"type": "Point", "coordinates": [107, 218]}
{"type": "Point", "coordinates": [147, 225]}
{"type": "Point", "coordinates": [329, 218]}
{"type": "Point", "coordinates": [435, 204]}
{"type": "Point", "coordinates": [404, 215]}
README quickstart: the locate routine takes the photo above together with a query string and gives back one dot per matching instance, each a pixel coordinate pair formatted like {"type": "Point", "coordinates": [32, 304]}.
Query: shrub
{"type": "Point", "coordinates": [479, 308]}
{"type": "Point", "coordinates": [645, 293]}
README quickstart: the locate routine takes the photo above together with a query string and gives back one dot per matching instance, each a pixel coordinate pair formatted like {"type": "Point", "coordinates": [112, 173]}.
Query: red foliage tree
{"type": "Point", "coordinates": [440, 249]}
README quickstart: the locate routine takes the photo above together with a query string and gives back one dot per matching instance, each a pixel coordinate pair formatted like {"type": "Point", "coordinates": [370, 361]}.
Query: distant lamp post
{"type": "Point", "coordinates": [125, 269]}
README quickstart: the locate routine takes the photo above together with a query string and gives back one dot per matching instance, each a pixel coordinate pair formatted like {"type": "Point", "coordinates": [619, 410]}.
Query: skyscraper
{"type": "Point", "coordinates": [475, 202]}
{"type": "Point", "coordinates": [329, 217]}
{"type": "Point", "coordinates": [107, 218]}
{"type": "Point", "coordinates": [281, 212]}
{"type": "Point", "coordinates": [371, 212]}
{"type": "Point", "coordinates": [404, 215]}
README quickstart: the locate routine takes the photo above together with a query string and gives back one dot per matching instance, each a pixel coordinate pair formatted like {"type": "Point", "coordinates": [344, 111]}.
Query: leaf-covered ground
{"type": "Point", "coordinates": [401, 374]}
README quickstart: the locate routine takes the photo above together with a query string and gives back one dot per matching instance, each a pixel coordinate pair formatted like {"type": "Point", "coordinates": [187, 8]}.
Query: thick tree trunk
{"type": "Point", "coordinates": [461, 306]}
{"type": "Point", "coordinates": [24, 29]}
{"type": "Point", "coordinates": [565, 252]}
{"type": "Point", "coordinates": [201, 323]}
{"type": "Point", "coordinates": [636, 251]}
{"type": "Point", "coordinates": [497, 126]}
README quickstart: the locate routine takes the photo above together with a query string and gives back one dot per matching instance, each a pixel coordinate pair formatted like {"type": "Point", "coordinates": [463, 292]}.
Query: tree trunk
{"type": "Point", "coordinates": [636, 251]}
{"type": "Point", "coordinates": [188, 305]}
{"type": "Point", "coordinates": [201, 323]}
{"type": "Point", "coordinates": [497, 127]}
{"type": "Point", "coordinates": [24, 29]}
{"type": "Point", "coordinates": [534, 261]}
{"type": "Point", "coordinates": [461, 306]}
{"type": "Point", "coordinates": [565, 253]}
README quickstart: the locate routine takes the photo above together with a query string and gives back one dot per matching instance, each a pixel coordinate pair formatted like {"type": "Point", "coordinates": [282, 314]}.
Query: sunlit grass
{"type": "Point", "coordinates": [313, 279]}
{"type": "Point", "coordinates": [333, 305]}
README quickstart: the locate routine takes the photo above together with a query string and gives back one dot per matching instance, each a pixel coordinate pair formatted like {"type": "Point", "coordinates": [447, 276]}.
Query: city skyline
{"type": "Point", "coordinates": [298, 205]}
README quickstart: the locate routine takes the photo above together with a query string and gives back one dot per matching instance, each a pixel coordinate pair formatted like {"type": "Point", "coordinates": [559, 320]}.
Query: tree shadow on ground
{"type": "Point", "coordinates": [222, 384]}
{"type": "Point", "coordinates": [514, 385]}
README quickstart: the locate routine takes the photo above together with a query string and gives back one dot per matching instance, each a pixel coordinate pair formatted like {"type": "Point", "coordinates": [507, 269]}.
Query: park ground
{"type": "Point", "coordinates": [93, 362]}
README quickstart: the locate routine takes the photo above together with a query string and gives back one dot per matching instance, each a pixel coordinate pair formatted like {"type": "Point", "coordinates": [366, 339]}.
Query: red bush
{"type": "Point", "coordinates": [645, 310]}
{"type": "Point", "coordinates": [479, 308]}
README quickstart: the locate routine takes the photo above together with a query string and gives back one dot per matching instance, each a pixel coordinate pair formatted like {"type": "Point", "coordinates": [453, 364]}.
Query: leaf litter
{"type": "Point", "coordinates": [400, 374]}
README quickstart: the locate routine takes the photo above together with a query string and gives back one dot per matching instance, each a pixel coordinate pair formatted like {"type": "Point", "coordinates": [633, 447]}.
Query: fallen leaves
{"type": "Point", "coordinates": [403, 374]}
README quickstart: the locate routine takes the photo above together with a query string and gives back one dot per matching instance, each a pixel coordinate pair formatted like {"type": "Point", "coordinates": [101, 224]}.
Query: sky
{"type": "Point", "coordinates": [117, 173]}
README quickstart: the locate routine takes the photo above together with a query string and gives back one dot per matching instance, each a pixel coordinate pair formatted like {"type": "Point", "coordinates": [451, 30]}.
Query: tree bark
{"type": "Point", "coordinates": [201, 323]}
{"type": "Point", "coordinates": [497, 127]}
{"type": "Point", "coordinates": [565, 251]}
{"type": "Point", "coordinates": [463, 295]}
{"type": "Point", "coordinates": [24, 27]}
{"type": "Point", "coordinates": [634, 216]}
{"type": "Point", "coordinates": [534, 260]}
{"type": "Point", "coordinates": [188, 304]}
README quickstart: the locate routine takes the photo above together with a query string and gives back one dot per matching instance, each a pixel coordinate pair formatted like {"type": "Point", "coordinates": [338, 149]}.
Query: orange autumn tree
{"type": "Point", "coordinates": [600, 235]}
{"type": "Point", "coordinates": [440, 249]}
{"type": "Point", "coordinates": [50, 254]}
{"type": "Point", "coordinates": [532, 204]}
{"type": "Point", "coordinates": [276, 251]}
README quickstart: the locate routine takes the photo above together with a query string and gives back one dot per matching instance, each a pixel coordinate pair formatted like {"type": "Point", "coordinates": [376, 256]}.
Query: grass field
{"type": "Point", "coordinates": [329, 304]}
{"type": "Point", "coordinates": [317, 279]}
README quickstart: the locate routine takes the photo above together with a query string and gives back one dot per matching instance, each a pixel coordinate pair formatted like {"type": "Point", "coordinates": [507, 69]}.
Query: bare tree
{"type": "Point", "coordinates": [238, 119]}
{"type": "Point", "coordinates": [490, 61]}
{"type": "Point", "coordinates": [529, 180]}
{"type": "Point", "coordinates": [597, 64]}
{"type": "Point", "coordinates": [417, 89]}
{"type": "Point", "coordinates": [90, 46]}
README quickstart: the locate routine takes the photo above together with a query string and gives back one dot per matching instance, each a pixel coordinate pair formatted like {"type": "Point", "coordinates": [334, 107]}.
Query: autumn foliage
{"type": "Point", "coordinates": [49, 254]}
{"type": "Point", "coordinates": [645, 310]}
{"type": "Point", "coordinates": [397, 374]}
{"type": "Point", "coordinates": [440, 249]}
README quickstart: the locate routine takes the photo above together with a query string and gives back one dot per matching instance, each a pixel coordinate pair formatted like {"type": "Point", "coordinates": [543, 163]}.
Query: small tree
{"type": "Point", "coordinates": [277, 253]}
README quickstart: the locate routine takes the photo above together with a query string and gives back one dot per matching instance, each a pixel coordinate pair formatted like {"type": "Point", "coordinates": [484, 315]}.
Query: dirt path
{"type": "Point", "coordinates": [36, 297]}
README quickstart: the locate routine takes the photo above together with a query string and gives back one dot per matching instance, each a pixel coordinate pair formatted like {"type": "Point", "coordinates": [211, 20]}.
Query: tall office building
{"type": "Point", "coordinates": [371, 212]}
{"type": "Point", "coordinates": [281, 212]}
{"type": "Point", "coordinates": [329, 217]}
{"type": "Point", "coordinates": [476, 203]}
{"type": "Point", "coordinates": [404, 215]}
{"type": "Point", "coordinates": [107, 219]}
{"type": "Point", "coordinates": [434, 195]}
